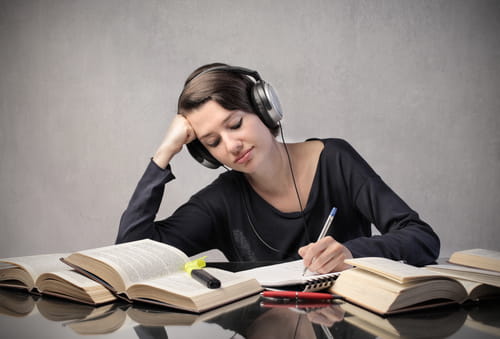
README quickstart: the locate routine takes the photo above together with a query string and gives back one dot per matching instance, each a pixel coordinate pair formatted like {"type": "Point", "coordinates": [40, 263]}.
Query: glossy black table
{"type": "Point", "coordinates": [27, 316]}
{"type": "Point", "coordinates": [23, 315]}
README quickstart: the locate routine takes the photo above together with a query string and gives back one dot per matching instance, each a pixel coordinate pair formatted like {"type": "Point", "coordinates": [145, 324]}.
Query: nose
{"type": "Point", "coordinates": [233, 145]}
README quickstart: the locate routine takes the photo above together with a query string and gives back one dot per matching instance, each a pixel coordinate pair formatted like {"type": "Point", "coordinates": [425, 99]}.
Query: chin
{"type": "Point", "coordinates": [247, 168]}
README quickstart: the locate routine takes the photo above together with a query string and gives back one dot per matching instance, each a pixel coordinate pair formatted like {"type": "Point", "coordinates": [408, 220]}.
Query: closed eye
{"type": "Point", "coordinates": [213, 143]}
{"type": "Point", "coordinates": [237, 125]}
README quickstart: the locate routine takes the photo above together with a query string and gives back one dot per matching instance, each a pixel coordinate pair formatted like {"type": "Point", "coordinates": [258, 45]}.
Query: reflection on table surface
{"type": "Point", "coordinates": [23, 315]}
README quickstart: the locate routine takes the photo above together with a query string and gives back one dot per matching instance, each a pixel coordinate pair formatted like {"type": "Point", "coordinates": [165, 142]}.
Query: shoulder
{"type": "Point", "coordinates": [316, 146]}
{"type": "Point", "coordinates": [342, 154]}
{"type": "Point", "coordinates": [226, 183]}
{"type": "Point", "coordinates": [337, 143]}
{"type": "Point", "coordinates": [336, 146]}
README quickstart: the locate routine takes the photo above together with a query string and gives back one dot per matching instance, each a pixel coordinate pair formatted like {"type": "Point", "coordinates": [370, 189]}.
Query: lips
{"type": "Point", "coordinates": [244, 157]}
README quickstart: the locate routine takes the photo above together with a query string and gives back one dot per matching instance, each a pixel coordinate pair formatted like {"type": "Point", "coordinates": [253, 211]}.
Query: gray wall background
{"type": "Point", "coordinates": [88, 87]}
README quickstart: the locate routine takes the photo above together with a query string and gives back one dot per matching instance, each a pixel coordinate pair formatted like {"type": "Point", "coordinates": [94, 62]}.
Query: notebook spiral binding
{"type": "Point", "coordinates": [320, 283]}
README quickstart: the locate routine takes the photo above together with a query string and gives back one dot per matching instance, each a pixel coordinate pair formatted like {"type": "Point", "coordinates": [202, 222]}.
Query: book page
{"type": "Point", "coordinates": [72, 285]}
{"type": "Point", "coordinates": [465, 269]}
{"type": "Point", "coordinates": [182, 291]}
{"type": "Point", "coordinates": [140, 260]}
{"type": "Point", "coordinates": [392, 269]}
{"type": "Point", "coordinates": [183, 284]}
{"type": "Point", "coordinates": [480, 252]}
{"type": "Point", "coordinates": [287, 273]}
{"type": "Point", "coordinates": [38, 264]}
{"type": "Point", "coordinates": [468, 273]}
{"type": "Point", "coordinates": [72, 277]}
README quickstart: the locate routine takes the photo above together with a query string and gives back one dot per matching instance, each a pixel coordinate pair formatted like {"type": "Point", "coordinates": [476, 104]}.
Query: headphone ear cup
{"type": "Point", "coordinates": [200, 153]}
{"type": "Point", "coordinates": [266, 103]}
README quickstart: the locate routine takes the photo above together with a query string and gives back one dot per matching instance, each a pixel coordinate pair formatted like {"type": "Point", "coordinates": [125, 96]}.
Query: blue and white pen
{"type": "Point", "coordinates": [326, 228]}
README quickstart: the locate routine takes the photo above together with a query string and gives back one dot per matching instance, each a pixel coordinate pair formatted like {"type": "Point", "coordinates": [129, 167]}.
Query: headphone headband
{"type": "Point", "coordinates": [235, 69]}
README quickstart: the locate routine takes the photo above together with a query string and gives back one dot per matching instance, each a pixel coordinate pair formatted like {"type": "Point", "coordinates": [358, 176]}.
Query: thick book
{"type": "Point", "coordinates": [289, 276]}
{"type": "Point", "coordinates": [46, 274]}
{"type": "Point", "coordinates": [386, 286]}
{"type": "Point", "coordinates": [478, 258]}
{"type": "Point", "coordinates": [468, 273]}
{"type": "Point", "coordinates": [153, 272]}
{"type": "Point", "coordinates": [478, 265]}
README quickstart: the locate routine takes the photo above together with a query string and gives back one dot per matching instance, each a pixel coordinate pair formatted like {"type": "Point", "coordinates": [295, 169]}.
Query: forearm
{"type": "Point", "coordinates": [137, 221]}
{"type": "Point", "coordinates": [415, 244]}
{"type": "Point", "coordinates": [404, 235]}
{"type": "Point", "coordinates": [163, 155]}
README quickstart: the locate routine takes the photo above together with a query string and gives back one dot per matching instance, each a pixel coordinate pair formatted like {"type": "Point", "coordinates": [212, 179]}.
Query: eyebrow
{"type": "Point", "coordinates": [223, 122]}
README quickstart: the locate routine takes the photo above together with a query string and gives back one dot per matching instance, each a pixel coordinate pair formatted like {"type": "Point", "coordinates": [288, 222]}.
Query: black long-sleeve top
{"type": "Point", "coordinates": [230, 216]}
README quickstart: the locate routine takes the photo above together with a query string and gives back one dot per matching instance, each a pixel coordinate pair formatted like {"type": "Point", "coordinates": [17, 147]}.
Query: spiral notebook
{"type": "Point", "coordinates": [288, 276]}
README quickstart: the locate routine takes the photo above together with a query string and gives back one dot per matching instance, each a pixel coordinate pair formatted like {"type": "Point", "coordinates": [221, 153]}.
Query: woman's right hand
{"type": "Point", "coordinates": [179, 133]}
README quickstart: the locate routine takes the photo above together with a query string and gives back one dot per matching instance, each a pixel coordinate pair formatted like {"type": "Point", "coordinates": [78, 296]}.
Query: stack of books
{"type": "Point", "coordinates": [387, 287]}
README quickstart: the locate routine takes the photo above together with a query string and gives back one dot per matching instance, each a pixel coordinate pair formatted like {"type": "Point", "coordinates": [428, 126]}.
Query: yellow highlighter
{"type": "Point", "coordinates": [195, 269]}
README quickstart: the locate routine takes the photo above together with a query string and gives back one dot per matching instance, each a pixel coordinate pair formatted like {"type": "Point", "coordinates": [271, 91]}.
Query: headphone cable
{"type": "Point", "coordinates": [306, 228]}
{"type": "Point", "coordinates": [245, 203]}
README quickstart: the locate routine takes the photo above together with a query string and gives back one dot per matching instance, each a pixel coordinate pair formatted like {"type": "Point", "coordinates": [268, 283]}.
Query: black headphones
{"type": "Point", "coordinates": [264, 100]}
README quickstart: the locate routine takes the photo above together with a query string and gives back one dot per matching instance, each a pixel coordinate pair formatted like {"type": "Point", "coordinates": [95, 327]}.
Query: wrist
{"type": "Point", "coordinates": [162, 157]}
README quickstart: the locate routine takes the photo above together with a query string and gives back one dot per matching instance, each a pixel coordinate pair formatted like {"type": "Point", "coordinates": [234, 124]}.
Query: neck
{"type": "Point", "coordinates": [276, 176]}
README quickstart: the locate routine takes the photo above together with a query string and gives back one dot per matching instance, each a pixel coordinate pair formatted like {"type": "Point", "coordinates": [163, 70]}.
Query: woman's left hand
{"type": "Point", "coordinates": [325, 256]}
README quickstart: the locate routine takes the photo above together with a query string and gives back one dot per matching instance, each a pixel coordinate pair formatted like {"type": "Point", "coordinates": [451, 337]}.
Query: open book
{"type": "Point", "coordinates": [289, 276]}
{"type": "Point", "coordinates": [150, 271]}
{"type": "Point", "coordinates": [46, 274]}
{"type": "Point", "coordinates": [385, 286]}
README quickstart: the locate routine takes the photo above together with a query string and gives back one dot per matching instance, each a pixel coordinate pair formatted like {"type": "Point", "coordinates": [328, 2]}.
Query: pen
{"type": "Point", "coordinates": [299, 295]}
{"type": "Point", "coordinates": [325, 229]}
{"type": "Point", "coordinates": [205, 278]}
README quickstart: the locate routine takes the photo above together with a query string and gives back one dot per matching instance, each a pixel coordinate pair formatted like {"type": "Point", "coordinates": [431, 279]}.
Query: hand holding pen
{"type": "Point", "coordinates": [326, 254]}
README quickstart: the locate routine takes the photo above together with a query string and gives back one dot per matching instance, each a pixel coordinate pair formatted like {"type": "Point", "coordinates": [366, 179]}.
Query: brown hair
{"type": "Point", "coordinates": [231, 90]}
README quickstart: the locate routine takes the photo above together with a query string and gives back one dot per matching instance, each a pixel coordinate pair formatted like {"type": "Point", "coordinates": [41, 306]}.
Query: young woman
{"type": "Point", "coordinates": [273, 202]}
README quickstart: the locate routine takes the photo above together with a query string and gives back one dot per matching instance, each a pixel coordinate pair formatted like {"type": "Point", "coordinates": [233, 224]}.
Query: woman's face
{"type": "Point", "coordinates": [237, 139]}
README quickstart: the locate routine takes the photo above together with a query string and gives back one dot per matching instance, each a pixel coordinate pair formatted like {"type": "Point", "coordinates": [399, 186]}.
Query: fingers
{"type": "Point", "coordinates": [313, 255]}
{"type": "Point", "coordinates": [330, 257]}
{"type": "Point", "coordinates": [187, 128]}
{"type": "Point", "coordinates": [324, 256]}
{"type": "Point", "coordinates": [180, 132]}
{"type": "Point", "coordinates": [306, 254]}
